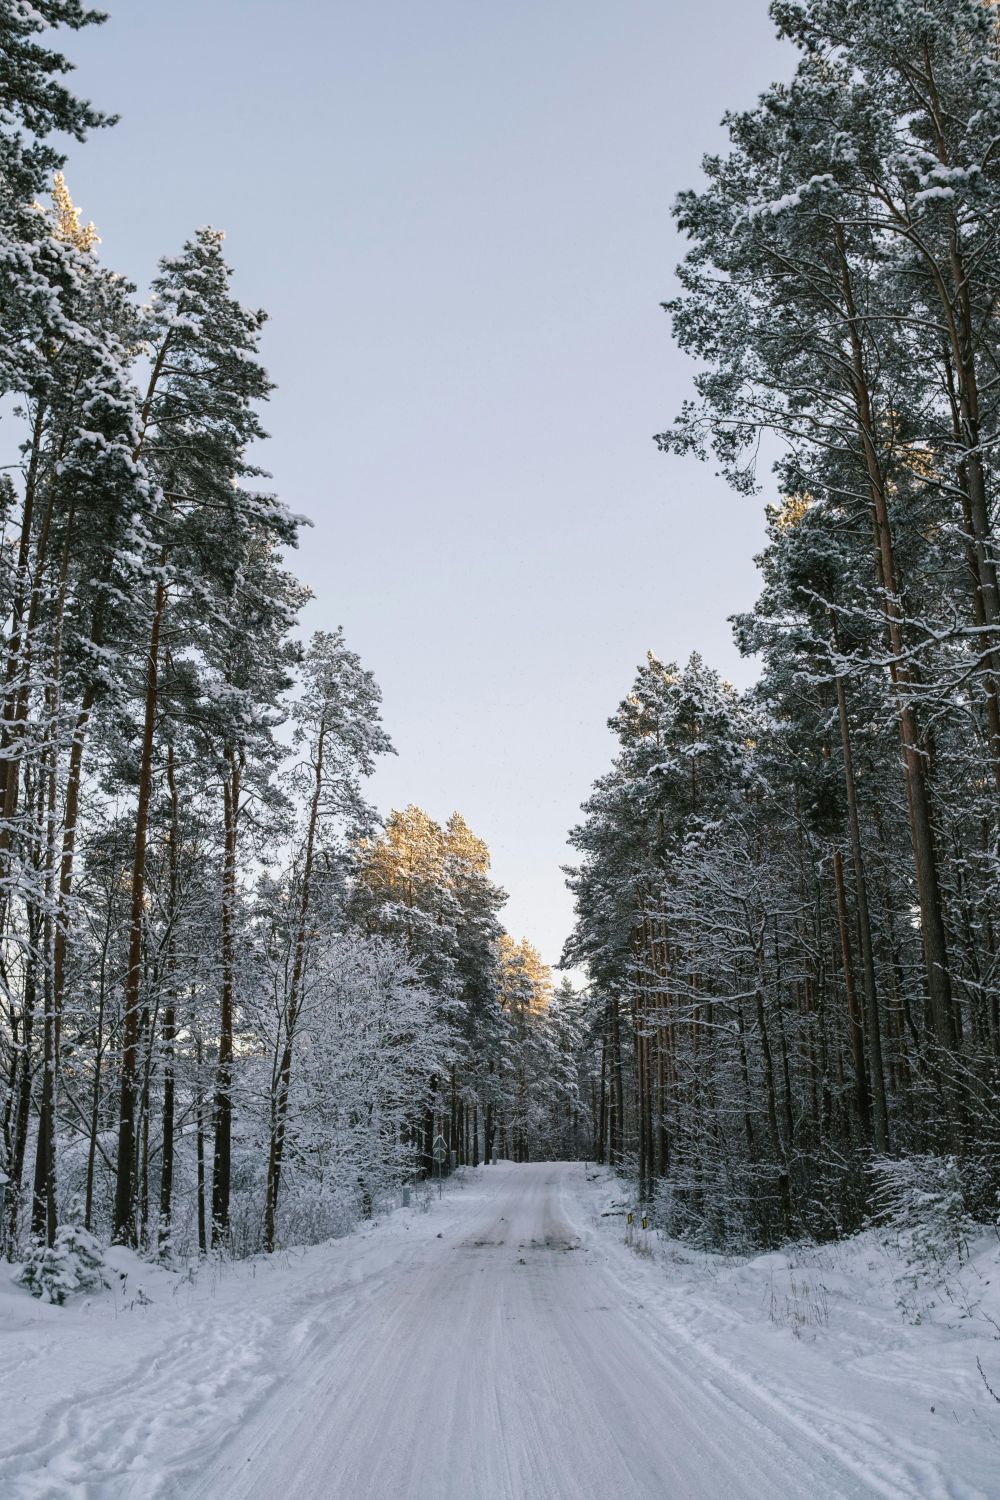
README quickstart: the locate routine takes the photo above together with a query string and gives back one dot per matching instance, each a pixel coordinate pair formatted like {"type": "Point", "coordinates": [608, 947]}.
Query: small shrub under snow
{"type": "Point", "coordinates": [73, 1264]}
{"type": "Point", "coordinates": [921, 1199]}
{"type": "Point", "coordinates": [921, 1212]}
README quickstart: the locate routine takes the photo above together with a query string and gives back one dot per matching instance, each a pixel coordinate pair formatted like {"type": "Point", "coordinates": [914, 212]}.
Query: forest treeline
{"type": "Point", "coordinates": [238, 1008]}
{"type": "Point", "coordinates": [235, 1008]}
{"type": "Point", "coordinates": [787, 898]}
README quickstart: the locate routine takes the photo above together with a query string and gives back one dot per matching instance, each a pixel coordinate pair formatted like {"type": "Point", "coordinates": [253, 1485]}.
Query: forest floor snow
{"type": "Point", "coordinates": [503, 1342]}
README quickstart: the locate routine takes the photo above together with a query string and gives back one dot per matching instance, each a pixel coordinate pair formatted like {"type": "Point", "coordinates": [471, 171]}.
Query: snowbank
{"type": "Point", "coordinates": [875, 1357]}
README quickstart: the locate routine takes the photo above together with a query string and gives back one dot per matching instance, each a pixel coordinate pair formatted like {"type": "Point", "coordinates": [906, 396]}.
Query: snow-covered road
{"type": "Point", "coordinates": [499, 1342]}
{"type": "Point", "coordinates": [509, 1362]}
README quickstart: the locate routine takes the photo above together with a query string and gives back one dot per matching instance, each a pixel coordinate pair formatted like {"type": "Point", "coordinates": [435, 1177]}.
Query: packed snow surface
{"type": "Point", "coordinates": [504, 1343]}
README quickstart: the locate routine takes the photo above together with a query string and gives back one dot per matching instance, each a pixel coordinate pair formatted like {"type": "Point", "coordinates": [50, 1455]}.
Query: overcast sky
{"type": "Point", "coordinates": [457, 214]}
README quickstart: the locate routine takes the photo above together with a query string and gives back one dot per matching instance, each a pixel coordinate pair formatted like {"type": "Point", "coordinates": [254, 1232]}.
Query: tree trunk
{"type": "Point", "coordinates": [917, 794]}
{"type": "Point", "coordinates": [771, 1094]}
{"type": "Point", "coordinates": [199, 1115]}
{"type": "Point", "coordinates": [169, 1025]}
{"type": "Point", "coordinates": [282, 1083]}
{"type": "Point", "coordinates": [124, 1226]}
{"type": "Point", "coordinates": [617, 1091]}
{"type": "Point", "coordinates": [10, 766]}
{"type": "Point", "coordinates": [873, 1024]}
{"type": "Point", "coordinates": [222, 1159]}
{"type": "Point", "coordinates": [861, 1098]}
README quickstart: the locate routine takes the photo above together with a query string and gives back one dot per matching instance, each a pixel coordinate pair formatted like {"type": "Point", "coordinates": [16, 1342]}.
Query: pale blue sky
{"type": "Point", "coordinates": [457, 215]}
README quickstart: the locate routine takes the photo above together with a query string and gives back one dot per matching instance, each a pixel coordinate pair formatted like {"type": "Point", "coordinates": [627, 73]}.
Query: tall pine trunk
{"type": "Point", "coordinates": [281, 1084]}
{"type": "Point", "coordinates": [223, 1153]}
{"type": "Point", "coordinates": [123, 1222]}
{"type": "Point", "coordinates": [169, 1023]}
{"type": "Point", "coordinates": [932, 926]}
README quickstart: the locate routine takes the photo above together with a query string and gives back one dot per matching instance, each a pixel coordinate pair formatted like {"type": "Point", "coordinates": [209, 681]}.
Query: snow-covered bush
{"type": "Point", "coordinates": [368, 1038]}
{"type": "Point", "coordinates": [309, 1215]}
{"type": "Point", "coordinates": [717, 1216]}
{"type": "Point", "coordinates": [73, 1264]}
{"type": "Point", "coordinates": [921, 1199]}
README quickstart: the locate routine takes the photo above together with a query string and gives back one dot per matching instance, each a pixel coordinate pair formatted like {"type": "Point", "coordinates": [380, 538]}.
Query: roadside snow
{"type": "Point", "coordinates": [155, 1372]}
{"type": "Point", "coordinates": [870, 1355]}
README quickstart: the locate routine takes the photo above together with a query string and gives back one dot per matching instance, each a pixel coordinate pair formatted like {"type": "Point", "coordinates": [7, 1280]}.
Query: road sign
{"type": "Point", "coordinates": [440, 1150]}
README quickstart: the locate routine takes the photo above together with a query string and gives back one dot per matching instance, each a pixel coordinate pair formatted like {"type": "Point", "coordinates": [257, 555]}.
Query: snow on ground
{"type": "Point", "coordinates": [502, 1342]}
{"type": "Point", "coordinates": [850, 1340]}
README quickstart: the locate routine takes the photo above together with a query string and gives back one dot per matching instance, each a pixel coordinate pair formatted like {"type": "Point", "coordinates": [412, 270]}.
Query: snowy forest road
{"type": "Point", "coordinates": [498, 1341]}
{"type": "Point", "coordinates": [508, 1361]}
